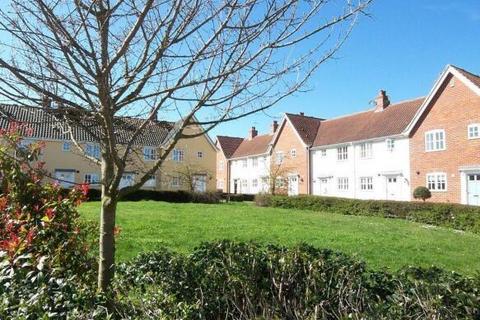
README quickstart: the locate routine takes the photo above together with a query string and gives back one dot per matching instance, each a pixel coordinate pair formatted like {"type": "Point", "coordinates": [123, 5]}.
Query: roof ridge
{"type": "Point", "coordinates": [231, 137]}
{"type": "Point", "coordinates": [299, 115]}
{"type": "Point", "coordinates": [464, 70]}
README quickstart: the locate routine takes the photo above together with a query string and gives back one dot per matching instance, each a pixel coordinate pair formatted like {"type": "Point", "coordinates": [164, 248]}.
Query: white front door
{"type": "Point", "coordinates": [473, 189]}
{"type": "Point", "coordinates": [323, 186]}
{"type": "Point", "coordinates": [293, 185]}
{"type": "Point", "coordinates": [66, 178]}
{"type": "Point", "coordinates": [393, 188]}
{"type": "Point", "coordinates": [200, 183]}
{"type": "Point", "coordinates": [127, 180]}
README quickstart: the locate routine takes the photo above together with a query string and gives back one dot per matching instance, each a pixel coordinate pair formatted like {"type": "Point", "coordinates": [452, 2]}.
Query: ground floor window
{"type": "Point", "coordinates": [366, 183]}
{"type": "Point", "coordinates": [254, 183]}
{"type": "Point", "coordinates": [342, 183]}
{"type": "Point", "coordinates": [151, 182]}
{"type": "Point", "coordinates": [91, 178]}
{"type": "Point", "coordinates": [437, 181]}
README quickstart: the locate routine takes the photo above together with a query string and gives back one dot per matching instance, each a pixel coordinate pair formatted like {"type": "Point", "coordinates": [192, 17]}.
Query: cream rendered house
{"type": "Point", "coordinates": [66, 164]}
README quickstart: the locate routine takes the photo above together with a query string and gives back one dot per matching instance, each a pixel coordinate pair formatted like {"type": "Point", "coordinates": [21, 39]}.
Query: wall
{"type": "Point", "coordinates": [452, 109]}
{"type": "Point", "coordinates": [222, 175]}
{"type": "Point", "coordinates": [380, 166]}
{"type": "Point", "coordinates": [250, 173]}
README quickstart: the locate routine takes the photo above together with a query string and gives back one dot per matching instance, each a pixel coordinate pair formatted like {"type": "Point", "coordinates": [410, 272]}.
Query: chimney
{"type": "Point", "coordinates": [381, 101]}
{"type": "Point", "coordinates": [274, 126]}
{"type": "Point", "coordinates": [252, 133]}
{"type": "Point", "coordinates": [46, 102]}
{"type": "Point", "coordinates": [302, 114]}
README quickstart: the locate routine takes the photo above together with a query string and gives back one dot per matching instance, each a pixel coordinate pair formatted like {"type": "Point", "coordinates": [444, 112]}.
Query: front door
{"type": "Point", "coordinates": [66, 178]}
{"type": "Point", "coordinates": [293, 185]}
{"type": "Point", "coordinates": [323, 186]}
{"type": "Point", "coordinates": [235, 186]}
{"type": "Point", "coordinates": [200, 183]}
{"type": "Point", "coordinates": [393, 188]}
{"type": "Point", "coordinates": [473, 189]}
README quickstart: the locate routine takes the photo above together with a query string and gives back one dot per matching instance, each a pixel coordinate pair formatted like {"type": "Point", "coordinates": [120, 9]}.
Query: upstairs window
{"type": "Point", "coordinates": [435, 140]}
{"type": "Point", "coordinates": [220, 165]}
{"type": "Point", "coordinates": [255, 162]}
{"type": "Point", "coordinates": [244, 163]}
{"type": "Point", "coordinates": [199, 154]}
{"type": "Point", "coordinates": [92, 150]}
{"type": "Point", "coordinates": [342, 153]}
{"type": "Point", "coordinates": [279, 158]}
{"type": "Point", "coordinates": [149, 153]}
{"type": "Point", "coordinates": [366, 183]}
{"type": "Point", "coordinates": [390, 144]}
{"type": "Point", "coordinates": [293, 153]}
{"type": "Point", "coordinates": [323, 152]}
{"type": "Point", "coordinates": [177, 155]}
{"type": "Point", "coordinates": [366, 151]}
{"type": "Point", "coordinates": [474, 131]}
{"type": "Point", "coordinates": [437, 181]}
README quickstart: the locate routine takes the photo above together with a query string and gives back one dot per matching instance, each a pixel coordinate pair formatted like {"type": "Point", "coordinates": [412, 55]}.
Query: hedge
{"type": "Point", "coordinates": [231, 280]}
{"type": "Point", "coordinates": [461, 217]}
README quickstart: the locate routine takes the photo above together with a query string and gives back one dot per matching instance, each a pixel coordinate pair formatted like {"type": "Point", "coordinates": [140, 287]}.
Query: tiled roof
{"type": "Point", "coordinates": [229, 144]}
{"type": "Point", "coordinates": [368, 125]}
{"type": "Point", "coordinates": [305, 126]}
{"type": "Point", "coordinates": [257, 145]}
{"type": "Point", "coordinates": [470, 76]}
{"type": "Point", "coordinates": [44, 125]}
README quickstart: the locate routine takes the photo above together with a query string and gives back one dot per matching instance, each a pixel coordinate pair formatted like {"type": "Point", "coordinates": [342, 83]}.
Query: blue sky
{"type": "Point", "coordinates": [402, 48]}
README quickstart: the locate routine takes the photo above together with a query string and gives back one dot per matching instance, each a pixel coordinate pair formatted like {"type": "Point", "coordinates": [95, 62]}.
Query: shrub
{"type": "Point", "coordinates": [422, 193]}
{"type": "Point", "coordinates": [231, 280]}
{"type": "Point", "coordinates": [262, 200]}
{"type": "Point", "coordinates": [173, 196]}
{"type": "Point", "coordinates": [455, 216]}
{"type": "Point", "coordinates": [238, 197]}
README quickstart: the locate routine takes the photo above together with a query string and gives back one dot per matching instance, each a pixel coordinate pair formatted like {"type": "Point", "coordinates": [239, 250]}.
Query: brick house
{"type": "Point", "coordinates": [68, 166]}
{"type": "Point", "coordinates": [445, 139]}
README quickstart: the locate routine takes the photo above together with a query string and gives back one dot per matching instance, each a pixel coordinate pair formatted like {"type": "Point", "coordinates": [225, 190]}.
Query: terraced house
{"type": "Point", "coordinates": [389, 150]}
{"type": "Point", "coordinates": [67, 165]}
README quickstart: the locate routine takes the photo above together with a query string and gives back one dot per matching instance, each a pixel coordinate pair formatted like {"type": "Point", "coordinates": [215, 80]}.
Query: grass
{"type": "Point", "coordinates": [382, 243]}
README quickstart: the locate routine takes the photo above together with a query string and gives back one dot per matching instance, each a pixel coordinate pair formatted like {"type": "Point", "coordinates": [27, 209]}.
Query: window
{"type": "Point", "coordinates": [254, 183]}
{"type": "Point", "coordinates": [279, 182]}
{"type": "Point", "coordinates": [279, 157]}
{"type": "Point", "coordinates": [244, 163]}
{"type": "Point", "coordinates": [220, 184]}
{"type": "Point", "coordinates": [66, 146]}
{"type": "Point", "coordinates": [390, 144]}
{"type": "Point", "coordinates": [244, 185]}
{"type": "Point", "coordinates": [178, 155]}
{"type": "Point", "coordinates": [200, 154]}
{"type": "Point", "coordinates": [342, 183]}
{"type": "Point", "coordinates": [149, 153]}
{"type": "Point", "coordinates": [220, 165]}
{"type": "Point", "coordinates": [366, 183]}
{"type": "Point", "coordinates": [435, 140]}
{"type": "Point", "coordinates": [255, 162]}
{"type": "Point", "coordinates": [323, 152]}
{"type": "Point", "coordinates": [474, 131]}
{"type": "Point", "coordinates": [24, 144]}
{"type": "Point", "coordinates": [91, 178]}
{"type": "Point", "coordinates": [293, 153]}
{"type": "Point", "coordinates": [342, 153]}
{"type": "Point", "coordinates": [437, 181]}
{"type": "Point", "coordinates": [93, 150]}
{"type": "Point", "coordinates": [176, 182]}
{"type": "Point", "coordinates": [366, 151]}
{"type": "Point", "coordinates": [151, 182]}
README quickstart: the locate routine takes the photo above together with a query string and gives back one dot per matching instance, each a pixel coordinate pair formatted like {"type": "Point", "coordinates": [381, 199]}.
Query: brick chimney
{"type": "Point", "coordinates": [381, 101]}
{"type": "Point", "coordinates": [274, 126]}
{"type": "Point", "coordinates": [252, 133]}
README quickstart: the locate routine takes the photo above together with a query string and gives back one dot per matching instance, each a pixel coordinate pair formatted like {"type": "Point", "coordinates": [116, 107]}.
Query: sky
{"type": "Point", "coordinates": [402, 48]}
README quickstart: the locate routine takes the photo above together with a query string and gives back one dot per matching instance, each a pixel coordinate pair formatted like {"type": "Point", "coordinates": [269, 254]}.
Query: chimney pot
{"type": "Point", "coordinates": [274, 126]}
{"type": "Point", "coordinates": [252, 133]}
{"type": "Point", "coordinates": [381, 101]}
{"type": "Point", "coordinates": [302, 114]}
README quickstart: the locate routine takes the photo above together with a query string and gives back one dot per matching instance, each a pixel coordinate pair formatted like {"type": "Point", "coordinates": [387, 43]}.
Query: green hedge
{"type": "Point", "coordinates": [455, 216]}
{"type": "Point", "coordinates": [230, 280]}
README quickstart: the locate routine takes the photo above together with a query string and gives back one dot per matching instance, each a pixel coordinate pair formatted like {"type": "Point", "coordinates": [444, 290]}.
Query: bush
{"type": "Point", "coordinates": [238, 197]}
{"type": "Point", "coordinates": [173, 196]}
{"type": "Point", "coordinates": [231, 280]}
{"type": "Point", "coordinates": [461, 217]}
{"type": "Point", "coordinates": [422, 193]}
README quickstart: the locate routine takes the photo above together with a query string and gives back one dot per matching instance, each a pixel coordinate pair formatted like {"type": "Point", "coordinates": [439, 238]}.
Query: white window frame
{"type": "Point", "coordinates": [149, 153]}
{"type": "Point", "coordinates": [431, 145]}
{"type": "Point", "coordinates": [323, 152]}
{"type": "Point", "coordinates": [66, 146]}
{"type": "Point", "coordinates": [254, 162]}
{"type": "Point", "coordinates": [254, 183]}
{"type": "Point", "coordinates": [93, 150]}
{"type": "Point", "coordinates": [220, 184]}
{"type": "Point", "coordinates": [176, 182]}
{"type": "Point", "coordinates": [245, 163]}
{"type": "Point", "coordinates": [279, 156]}
{"type": "Point", "coordinates": [434, 181]}
{"type": "Point", "coordinates": [220, 165]}
{"type": "Point", "coordinates": [293, 153]}
{"type": "Point", "coordinates": [200, 154]}
{"type": "Point", "coordinates": [342, 183]}
{"type": "Point", "coordinates": [151, 182]}
{"type": "Point", "coordinates": [243, 185]}
{"type": "Point", "coordinates": [342, 153]}
{"type": "Point", "coordinates": [178, 155]}
{"type": "Point", "coordinates": [91, 178]}
{"type": "Point", "coordinates": [366, 183]}
{"type": "Point", "coordinates": [366, 150]}
{"type": "Point", "coordinates": [474, 127]}
{"type": "Point", "coordinates": [390, 143]}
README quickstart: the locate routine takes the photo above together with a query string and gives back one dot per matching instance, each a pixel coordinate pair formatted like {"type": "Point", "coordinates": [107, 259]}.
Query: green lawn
{"type": "Point", "coordinates": [381, 242]}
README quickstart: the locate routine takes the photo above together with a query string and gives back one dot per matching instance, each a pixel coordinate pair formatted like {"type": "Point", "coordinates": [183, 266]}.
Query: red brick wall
{"type": "Point", "coordinates": [453, 109]}
{"type": "Point", "coordinates": [222, 173]}
{"type": "Point", "coordinates": [288, 140]}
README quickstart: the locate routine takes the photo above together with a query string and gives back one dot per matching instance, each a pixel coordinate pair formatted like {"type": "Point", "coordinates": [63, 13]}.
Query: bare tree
{"type": "Point", "coordinates": [190, 175]}
{"type": "Point", "coordinates": [207, 62]}
{"type": "Point", "coordinates": [278, 174]}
